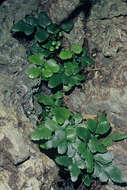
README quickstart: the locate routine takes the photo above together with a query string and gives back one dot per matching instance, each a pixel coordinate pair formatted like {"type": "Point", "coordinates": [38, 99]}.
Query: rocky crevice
{"type": "Point", "coordinates": [22, 166]}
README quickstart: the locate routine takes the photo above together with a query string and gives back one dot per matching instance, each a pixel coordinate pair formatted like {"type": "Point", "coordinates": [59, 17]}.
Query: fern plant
{"type": "Point", "coordinates": [45, 36]}
{"type": "Point", "coordinates": [64, 70]}
{"type": "Point", "coordinates": [81, 146]}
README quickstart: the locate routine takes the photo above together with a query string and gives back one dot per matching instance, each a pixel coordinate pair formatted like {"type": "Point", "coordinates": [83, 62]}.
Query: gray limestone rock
{"type": "Point", "coordinates": [21, 163]}
{"type": "Point", "coordinates": [107, 90]}
{"type": "Point", "coordinates": [59, 11]}
{"type": "Point", "coordinates": [12, 142]}
{"type": "Point", "coordinates": [105, 9]}
{"type": "Point", "coordinates": [4, 186]}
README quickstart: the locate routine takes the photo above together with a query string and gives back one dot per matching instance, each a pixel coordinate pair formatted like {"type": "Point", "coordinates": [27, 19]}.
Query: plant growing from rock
{"type": "Point", "coordinates": [81, 147]}
{"type": "Point", "coordinates": [45, 36]}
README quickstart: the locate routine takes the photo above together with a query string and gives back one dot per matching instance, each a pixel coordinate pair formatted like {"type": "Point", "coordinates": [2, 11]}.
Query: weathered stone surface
{"type": "Point", "coordinates": [12, 142]}
{"type": "Point", "coordinates": [21, 163]}
{"type": "Point", "coordinates": [60, 10]}
{"type": "Point", "coordinates": [4, 186]}
{"type": "Point", "coordinates": [103, 9]}
{"type": "Point", "coordinates": [107, 90]}
{"type": "Point", "coordinates": [31, 184]}
{"type": "Point", "coordinates": [120, 154]}
{"type": "Point", "coordinates": [77, 34]}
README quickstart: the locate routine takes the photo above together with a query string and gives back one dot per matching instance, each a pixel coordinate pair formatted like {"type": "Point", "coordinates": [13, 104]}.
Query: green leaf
{"type": "Point", "coordinates": [51, 124]}
{"type": "Point", "coordinates": [55, 80]}
{"type": "Point", "coordinates": [47, 72]}
{"type": "Point", "coordinates": [67, 26]}
{"type": "Point", "coordinates": [87, 180]}
{"type": "Point", "coordinates": [92, 124]}
{"type": "Point", "coordinates": [114, 174]}
{"type": "Point", "coordinates": [96, 146]}
{"type": "Point", "coordinates": [34, 72]}
{"type": "Point", "coordinates": [76, 80]}
{"type": "Point", "coordinates": [71, 150]}
{"type": "Point", "coordinates": [65, 79]}
{"type": "Point", "coordinates": [84, 51]}
{"type": "Point", "coordinates": [107, 141]}
{"type": "Point", "coordinates": [89, 161]}
{"type": "Point", "coordinates": [41, 35]}
{"type": "Point", "coordinates": [65, 125]}
{"type": "Point", "coordinates": [65, 54]}
{"type": "Point", "coordinates": [66, 88]}
{"type": "Point", "coordinates": [63, 161]}
{"type": "Point", "coordinates": [31, 20]}
{"type": "Point", "coordinates": [37, 59]}
{"type": "Point", "coordinates": [116, 136]}
{"type": "Point", "coordinates": [89, 61]}
{"type": "Point", "coordinates": [100, 173]}
{"type": "Point", "coordinates": [40, 134]}
{"type": "Point", "coordinates": [44, 20]}
{"type": "Point", "coordinates": [49, 144]}
{"type": "Point", "coordinates": [102, 128]}
{"type": "Point", "coordinates": [76, 49]}
{"type": "Point", "coordinates": [61, 114]}
{"type": "Point", "coordinates": [82, 149]}
{"type": "Point", "coordinates": [59, 137]}
{"type": "Point", "coordinates": [47, 45]}
{"type": "Point", "coordinates": [80, 163]}
{"type": "Point", "coordinates": [52, 49]}
{"type": "Point", "coordinates": [28, 29]}
{"type": "Point", "coordinates": [52, 65]}
{"type": "Point", "coordinates": [78, 118]}
{"type": "Point", "coordinates": [53, 28]}
{"type": "Point", "coordinates": [83, 62]}
{"type": "Point", "coordinates": [83, 133]}
{"type": "Point", "coordinates": [58, 95]}
{"type": "Point", "coordinates": [46, 100]}
{"type": "Point", "coordinates": [71, 134]}
{"type": "Point", "coordinates": [74, 172]}
{"type": "Point", "coordinates": [71, 68]}
{"type": "Point", "coordinates": [102, 118]}
{"type": "Point", "coordinates": [21, 26]}
{"type": "Point", "coordinates": [105, 158]}
{"type": "Point", "coordinates": [58, 102]}
{"type": "Point", "coordinates": [36, 49]}
{"type": "Point", "coordinates": [43, 146]}
{"type": "Point", "coordinates": [62, 148]}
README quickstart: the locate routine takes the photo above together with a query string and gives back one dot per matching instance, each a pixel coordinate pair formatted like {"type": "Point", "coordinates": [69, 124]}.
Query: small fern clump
{"type": "Point", "coordinates": [81, 146]}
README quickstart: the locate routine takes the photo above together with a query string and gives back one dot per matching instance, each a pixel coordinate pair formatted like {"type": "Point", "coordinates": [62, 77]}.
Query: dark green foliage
{"type": "Point", "coordinates": [115, 136]}
{"type": "Point", "coordinates": [67, 26]}
{"type": "Point", "coordinates": [81, 151]}
{"type": "Point", "coordinates": [64, 70]}
{"type": "Point", "coordinates": [21, 26]}
{"type": "Point", "coordinates": [42, 30]}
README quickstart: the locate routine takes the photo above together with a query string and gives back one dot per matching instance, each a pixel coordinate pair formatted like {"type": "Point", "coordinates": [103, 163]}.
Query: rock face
{"type": "Point", "coordinates": [60, 10]}
{"type": "Point", "coordinates": [12, 143]}
{"type": "Point", "coordinates": [22, 166]}
{"type": "Point", "coordinates": [107, 90]}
